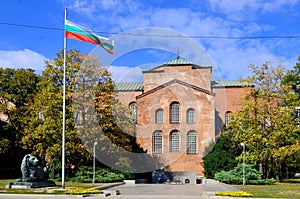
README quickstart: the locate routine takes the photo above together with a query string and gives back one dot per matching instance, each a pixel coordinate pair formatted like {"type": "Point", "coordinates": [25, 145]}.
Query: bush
{"type": "Point", "coordinates": [261, 182]}
{"type": "Point", "coordinates": [234, 194]}
{"type": "Point", "coordinates": [292, 180]}
{"type": "Point", "coordinates": [83, 191]}
{"type": "Point", "coordinates": [102, 175]}
{"type": "Point", "coordinates": [235, 176]}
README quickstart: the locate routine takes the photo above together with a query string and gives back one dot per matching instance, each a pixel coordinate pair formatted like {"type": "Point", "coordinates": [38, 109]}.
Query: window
{"type": "Point", "coordinates": [174, 141]}
{"type": "Point", "coordinates": [157, 142]}
{"type": "Point", "coordinates": [190, 116]}
{"type": "Point", "coordinates": [228, 116]}
{"type": "Point", "coordinates": [174, 112]}
{"type": "Point", "coordinates": [159, 116]}
{"type": "Point", "coordinates": [219, 123]}
{"type": "Point", "coordinates": [133, 109]}
{"type": "Point", "coordinates": [191, 142]}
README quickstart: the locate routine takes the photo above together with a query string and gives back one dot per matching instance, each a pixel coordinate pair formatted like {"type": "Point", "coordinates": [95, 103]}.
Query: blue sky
{"type": "Point", "coordinates": [23, 46]}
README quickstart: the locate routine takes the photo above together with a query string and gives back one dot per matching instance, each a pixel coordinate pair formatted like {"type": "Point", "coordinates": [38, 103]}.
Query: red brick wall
{"type": "Point", "coordinates": [199, 77]}
{"type": "Point", "coordinates": [228, 99]}
{"type": "Point", "coordinates": [203, 104]}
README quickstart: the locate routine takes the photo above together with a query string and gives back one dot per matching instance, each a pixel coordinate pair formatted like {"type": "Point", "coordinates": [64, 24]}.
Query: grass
{"type": "Point", "coordinates": [280, 190]}
{"type": "Point", "coordinates": [49, 190]}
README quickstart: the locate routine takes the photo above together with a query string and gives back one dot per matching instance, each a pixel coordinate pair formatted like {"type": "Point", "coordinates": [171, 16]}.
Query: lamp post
{"type": "Point", "coordinates": [94, 160]}
{"type": "Point", "coordinates": [244, 180]}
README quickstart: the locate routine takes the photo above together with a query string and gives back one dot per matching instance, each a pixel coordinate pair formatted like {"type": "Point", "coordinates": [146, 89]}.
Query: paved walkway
{"type": "Point", "coordinates": [144, 191]}
{"type": "Point", "coordinates": [180, 191]}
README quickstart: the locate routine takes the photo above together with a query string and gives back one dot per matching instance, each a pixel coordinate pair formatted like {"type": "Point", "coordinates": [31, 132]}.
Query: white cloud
{"type": "Point", "coordinates": [22, 59]}
{"type": "Point", "coordinates": [229, 6]}
{"type": "Point", "coordinates": [278, 5]}
{"type": "Point", "coordinates": [126, 74]}
{"type": "Point", "coordinates": [223, 18]}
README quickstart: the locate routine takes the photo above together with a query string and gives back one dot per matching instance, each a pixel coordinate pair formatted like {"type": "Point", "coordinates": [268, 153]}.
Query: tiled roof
{"type": "Point", "coordinates": [139, 86]}
{"type": "Point", "coordinates": [222, 84]}
{"type": "Point", "coordinates": [130, 86]}
{"type": "Point", "coordinates": [178, 61]}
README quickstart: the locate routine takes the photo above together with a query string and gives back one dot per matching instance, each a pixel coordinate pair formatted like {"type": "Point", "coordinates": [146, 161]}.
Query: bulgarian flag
{"type": "Point", "coordinates": [74, 31]}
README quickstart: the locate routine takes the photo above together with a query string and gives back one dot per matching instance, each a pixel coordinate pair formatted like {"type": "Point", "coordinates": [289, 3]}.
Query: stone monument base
{"type": "Point", "coordinates": [29, 185]}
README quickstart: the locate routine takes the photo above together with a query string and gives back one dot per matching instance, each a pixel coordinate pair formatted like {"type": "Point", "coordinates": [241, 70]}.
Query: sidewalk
{"type": "Point", "coordinates": [144, 191]}
{"type": "Point", "coordinates": [180, 191]}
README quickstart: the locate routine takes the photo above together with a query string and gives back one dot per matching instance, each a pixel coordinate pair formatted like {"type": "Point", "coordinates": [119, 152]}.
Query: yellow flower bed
{"type": "Point", "coordinates": [234, 194]}
{"type": "Point", "coordinates": [83, 191]}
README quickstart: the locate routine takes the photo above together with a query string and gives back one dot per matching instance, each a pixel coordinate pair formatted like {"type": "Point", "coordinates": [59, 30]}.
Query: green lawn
{"type": "Point", "coordinates": [52, 190]}
{"type": "Point", "coordinates": [280, 190]}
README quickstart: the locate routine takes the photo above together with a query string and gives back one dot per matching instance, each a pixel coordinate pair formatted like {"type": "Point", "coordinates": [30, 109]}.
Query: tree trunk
{"type": "Point", "coordinates": [277, 168]}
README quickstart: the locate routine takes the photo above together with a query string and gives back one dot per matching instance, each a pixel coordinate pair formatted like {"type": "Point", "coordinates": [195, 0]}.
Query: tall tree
{"type": "Point", "coordinates": [43, 135]}
{"type": "Point", "coordinates": [293, 78]}
{"type": "Point", "coordinates": [222, 157]}
{"type": "Point", "coordinates": [89, 104]}
{"type": "Point", "coordinates": [266, 124]}
{"type": "Point", "coordinates": [17, 90]}
{"type": "Point", "coordinates": [101, 118]}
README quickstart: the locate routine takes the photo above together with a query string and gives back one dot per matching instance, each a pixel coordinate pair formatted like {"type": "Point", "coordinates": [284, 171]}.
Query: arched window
{"type": "Point", "coordinates": [174, 141]}
{"type": "Point", "coordinates": [219, 122]}
{"type": "Point", "coordinates": [133, 109]}
{"type": "Point", "coordinates": [190, 116]}
{"type": "Point", "coordinates": [159, 116]}
{"type": "Point", "coordinates": [174, 112]}
{"type": "Point", "coordinates": [157, 142]}
{"type": "Point", "coordinates": [191, 142]}
{"type": "Point", "coordinates": [228, 116]}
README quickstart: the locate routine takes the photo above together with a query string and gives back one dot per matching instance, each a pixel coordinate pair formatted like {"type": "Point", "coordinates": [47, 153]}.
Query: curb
{"type": "Point", "coordinates": [108, 186]}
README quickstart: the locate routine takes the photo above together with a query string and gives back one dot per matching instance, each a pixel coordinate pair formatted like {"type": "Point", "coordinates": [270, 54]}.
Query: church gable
{"type": "Point", "coordinates": [179, 69]}
{"type": "Point", "coordinates": [174, 81]}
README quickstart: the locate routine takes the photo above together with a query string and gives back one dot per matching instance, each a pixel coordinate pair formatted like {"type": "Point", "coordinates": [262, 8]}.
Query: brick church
{"type": "Point", "coordinates": [179, 111]}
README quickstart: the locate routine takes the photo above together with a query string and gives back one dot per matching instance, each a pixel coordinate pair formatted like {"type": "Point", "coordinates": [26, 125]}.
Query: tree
{"type": "Point", "coordinates": [222, 157]}
{"type": "Point", "coordinates": [17, 90]}
{"type": "Point", "coordinates": [89, 111]}
{"type": "Point", "coordinates": [43, 135]}
{"type": "Point", "coordinates": [266, 124]}
{"type": "Point", "coordinates": [293, 78]}
{"type": "Point", "coordinates": [102, 119]}
{"type": "Point", "coordinates": [18, 87]}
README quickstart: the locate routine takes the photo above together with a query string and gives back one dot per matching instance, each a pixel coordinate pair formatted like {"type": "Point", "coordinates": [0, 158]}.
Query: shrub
{"type": "Point", "coordinates": [261, 182]}
{"type": "Point", "coordinates": [235, 176]}
{"type": "Point", "coordinates": [102, 175]}
{"type": "Point", "coordinates": [83, 191]}
{"type": "Point", "coordinates": [234, 194]}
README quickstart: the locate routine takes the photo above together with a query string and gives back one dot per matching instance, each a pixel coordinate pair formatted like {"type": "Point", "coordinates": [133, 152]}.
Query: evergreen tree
{"type": "Point", "coordinates": [222, 157]}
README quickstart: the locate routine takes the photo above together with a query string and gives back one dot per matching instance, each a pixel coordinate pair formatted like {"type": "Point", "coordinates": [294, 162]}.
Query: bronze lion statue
{"type": "Point", "coordinates": [30, 170]}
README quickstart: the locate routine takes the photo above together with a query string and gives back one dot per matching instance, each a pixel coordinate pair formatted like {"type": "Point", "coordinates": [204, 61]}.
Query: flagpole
{"type": "Point", "coordinates": [64, 110]}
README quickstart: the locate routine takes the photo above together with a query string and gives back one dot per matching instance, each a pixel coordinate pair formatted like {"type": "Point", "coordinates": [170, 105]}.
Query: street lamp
{"type": "Point", "coordinates": [94, 161]}
{"type": "Point", "coordinates": [244, 180]}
